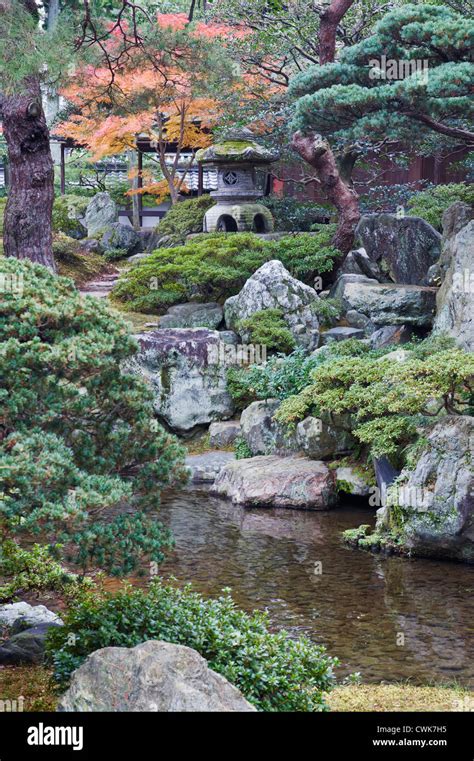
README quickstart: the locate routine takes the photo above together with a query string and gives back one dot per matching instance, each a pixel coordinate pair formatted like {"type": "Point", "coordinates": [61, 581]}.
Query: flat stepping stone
{"type": "Point", "coordinates": [271, 481]}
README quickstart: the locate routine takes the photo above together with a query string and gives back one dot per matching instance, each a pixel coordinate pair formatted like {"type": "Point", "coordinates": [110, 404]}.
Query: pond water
{"type": "Point", "coordinates": [358, 606]}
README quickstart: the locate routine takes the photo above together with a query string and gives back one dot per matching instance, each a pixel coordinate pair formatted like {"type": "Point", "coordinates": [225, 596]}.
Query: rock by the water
{"type": "Point", "coordinates": [404, 248]}
{"type": "Point", "coordinates": [387, 303]}
{"type": "Point", "coordinates": [153, 676]}
{"type": "Point", "coordinates": [206, 467]}
{"type": "Point", "coordinates": [118, 236]}
{"type": "Point", "coordinates": [185, 371]}
{"type": "Point", "coordinates": [24, 615]}
{"type": "Point", "coordinates": [437, 497]}
{"type": "Point", "coordinates": [390, 334]}
{"type": "Point", "coordinates": [272, 481]}
{"type": "Point", "coordinates": [223, 434]}
{"type": "Point", "coordinates": [101, 212]}
{"type": "Point", "coordinates": [27, 647]}
{"type": "Point", "coordinates": [263, 434]}
{"type": "Point", "coordinates": [193, 316]}
{"type": "Point", "coordinates": [341, 334]}
{"type": "Point", "coordinates": [272, 287]}
{"type": "Point", "coordinates": [455, 298]}
{"type": "Point", "coordinates": [349, 481]}
{"type": "Point", "coordinates": [320, 438]}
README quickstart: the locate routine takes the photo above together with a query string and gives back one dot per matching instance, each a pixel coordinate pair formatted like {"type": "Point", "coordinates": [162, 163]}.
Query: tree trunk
{"type": "Point", "coordinates": [27, 225]}
{"type": "Point", "coordinates": [316, 151]}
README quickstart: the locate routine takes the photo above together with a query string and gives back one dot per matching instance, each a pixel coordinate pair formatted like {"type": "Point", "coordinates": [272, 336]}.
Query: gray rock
{"type": "Point", "coordinates": [229, 337]}
{"type": "Point", "coordinates": [137, 258]}
{"type": "Point", "coordinates": [437, 497]}
{"type": "Point", "coordinates": [387, 303]}
{"type": "Point", "coordinates": [403, 248]}
{"type": "Point", "coordinates": [206, 467]}
{"type": "Point", "coordinates": [390, 334]}
{"type": "Point", "coordinates": [263, 434]}
{"type": "Point", "coordinates": [90, 246]}
{"type": "Point", "coordinates": [272, 287]}
{"type": "Point", "coordinates": [358, 262]}
{"type": "Point", "coordinates": [153, 676]}
{"type": "Point", "coordinates": [27, 647]}
{"type": "Point", "coordinates": [185, 371]}
{"type": "Point", "coordinates": [455, 298]}
{"type": "Point", "coordinates": [224, 434]}
{"type": "Point", "coordinates": [25, 615]}
{"type": "Point", "coordinates": [101, 212]}
{"type": "Point", "coordinates": [320, 438]}
{"type": "Point", "coordinates": [192, 315]}
{"type": "Point", "coordinates": [121, 236]}
{"type": "Point", "coordinates": [271, 481]}
{"type": "Point", "coordinates": [341, 334]}
{"type": "Point", "coordinates": [359, 320]}
{"type": "Point", "coordinates": [349, 481]}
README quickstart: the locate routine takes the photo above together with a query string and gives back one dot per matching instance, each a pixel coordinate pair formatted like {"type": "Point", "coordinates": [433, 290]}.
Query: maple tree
{"type": "Point", "coordinates": [167, 91]}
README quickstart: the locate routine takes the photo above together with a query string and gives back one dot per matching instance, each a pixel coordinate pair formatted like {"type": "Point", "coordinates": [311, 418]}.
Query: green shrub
{"type": "Point", "coordinates": [241, 449]}
{"type": "Point", "coordinates": [34, 569]}
{"type": "Point", "coordinates": [388, 401]}
{"type": "Point", "coordinates": [272, 670]}
{"type": "Point", "coordinates": [114, 254]}
{"type": "Point", "coordinates": [184, 218]}
{"type": "Point", "coordinates": [291, 215]}
{"type": "Point", "coordinates": [3, 203]}
{"type": "Point", "coordinates": [329, 311]}
{"type": "Point", "coordinates": [79, 436]}
{"type": "Point", "coordinates": [282, 377]}
{"type": "Point", "coordinates": [214, 266]}
{"type": "Point", "coordinates": [430, 204]}
{"type": "Point", "coordinates": [269, 328]}
{"type": "Point", "coordinates": [66, 212]}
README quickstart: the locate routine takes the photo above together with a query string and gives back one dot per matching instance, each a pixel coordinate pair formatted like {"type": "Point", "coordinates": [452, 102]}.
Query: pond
{"type": "Point", "coordinates": [358, 606]}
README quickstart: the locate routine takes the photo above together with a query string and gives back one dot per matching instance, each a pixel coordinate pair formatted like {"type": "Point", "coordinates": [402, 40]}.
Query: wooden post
{"type": "Point", "coordinates": [200, 179]}
{"type": "Point", "coordinates": [63, 169]}
{"type": "Point", "coordinates": [140, 185]}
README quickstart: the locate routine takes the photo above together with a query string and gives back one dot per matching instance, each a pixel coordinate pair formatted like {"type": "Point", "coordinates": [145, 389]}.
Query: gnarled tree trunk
{"type": "Point", "coordinates": [27, 232]}
{"type": "Point", "coordinates": [316, 150]}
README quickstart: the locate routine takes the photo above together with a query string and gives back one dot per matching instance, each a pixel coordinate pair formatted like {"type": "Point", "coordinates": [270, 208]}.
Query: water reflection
{"type": "Point", "coordinates": [358, 606]}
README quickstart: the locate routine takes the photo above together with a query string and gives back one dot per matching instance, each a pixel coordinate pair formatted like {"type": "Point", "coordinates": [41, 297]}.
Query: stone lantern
{"type": "Point", "coordinates": [242, 168]}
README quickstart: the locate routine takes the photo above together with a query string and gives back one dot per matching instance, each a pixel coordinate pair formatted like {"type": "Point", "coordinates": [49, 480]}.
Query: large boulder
{"type": "Point", "coordinates": [272, 481]}
{"type": "Point", "coordinates": [455, 298]}
{"type": "Point", "coordinates": [222, 435]}
{"type": "Point", "coordinates": [22, 615]}
{"type": "Point", "coordinates": [327, 436]}
{"type": "Point", "coordinates": [185, 371]}
{"type": "Point", "coordinates": [101, 212]}
{"type": "Point", "coordinates": [403, 247]}
{"type": "Point", "coordinates": [437, 497]}
{"type": "Point", "coordinates": [204, 468]}
{"type": "Point", "coordinates": [153, 676]}
{"type": "Point", "coordinates": [272, 287]}
{"type": "Point", "coordinates": [27, 647]}
{"type": "Point", "coordinates": [387, 303]}
{"type": "Point", "coordinates": [263, 434]}
{"type": "Point", "coordinates": [193, 316]}
{"type": "Point", "coordinates": [118, 236]}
